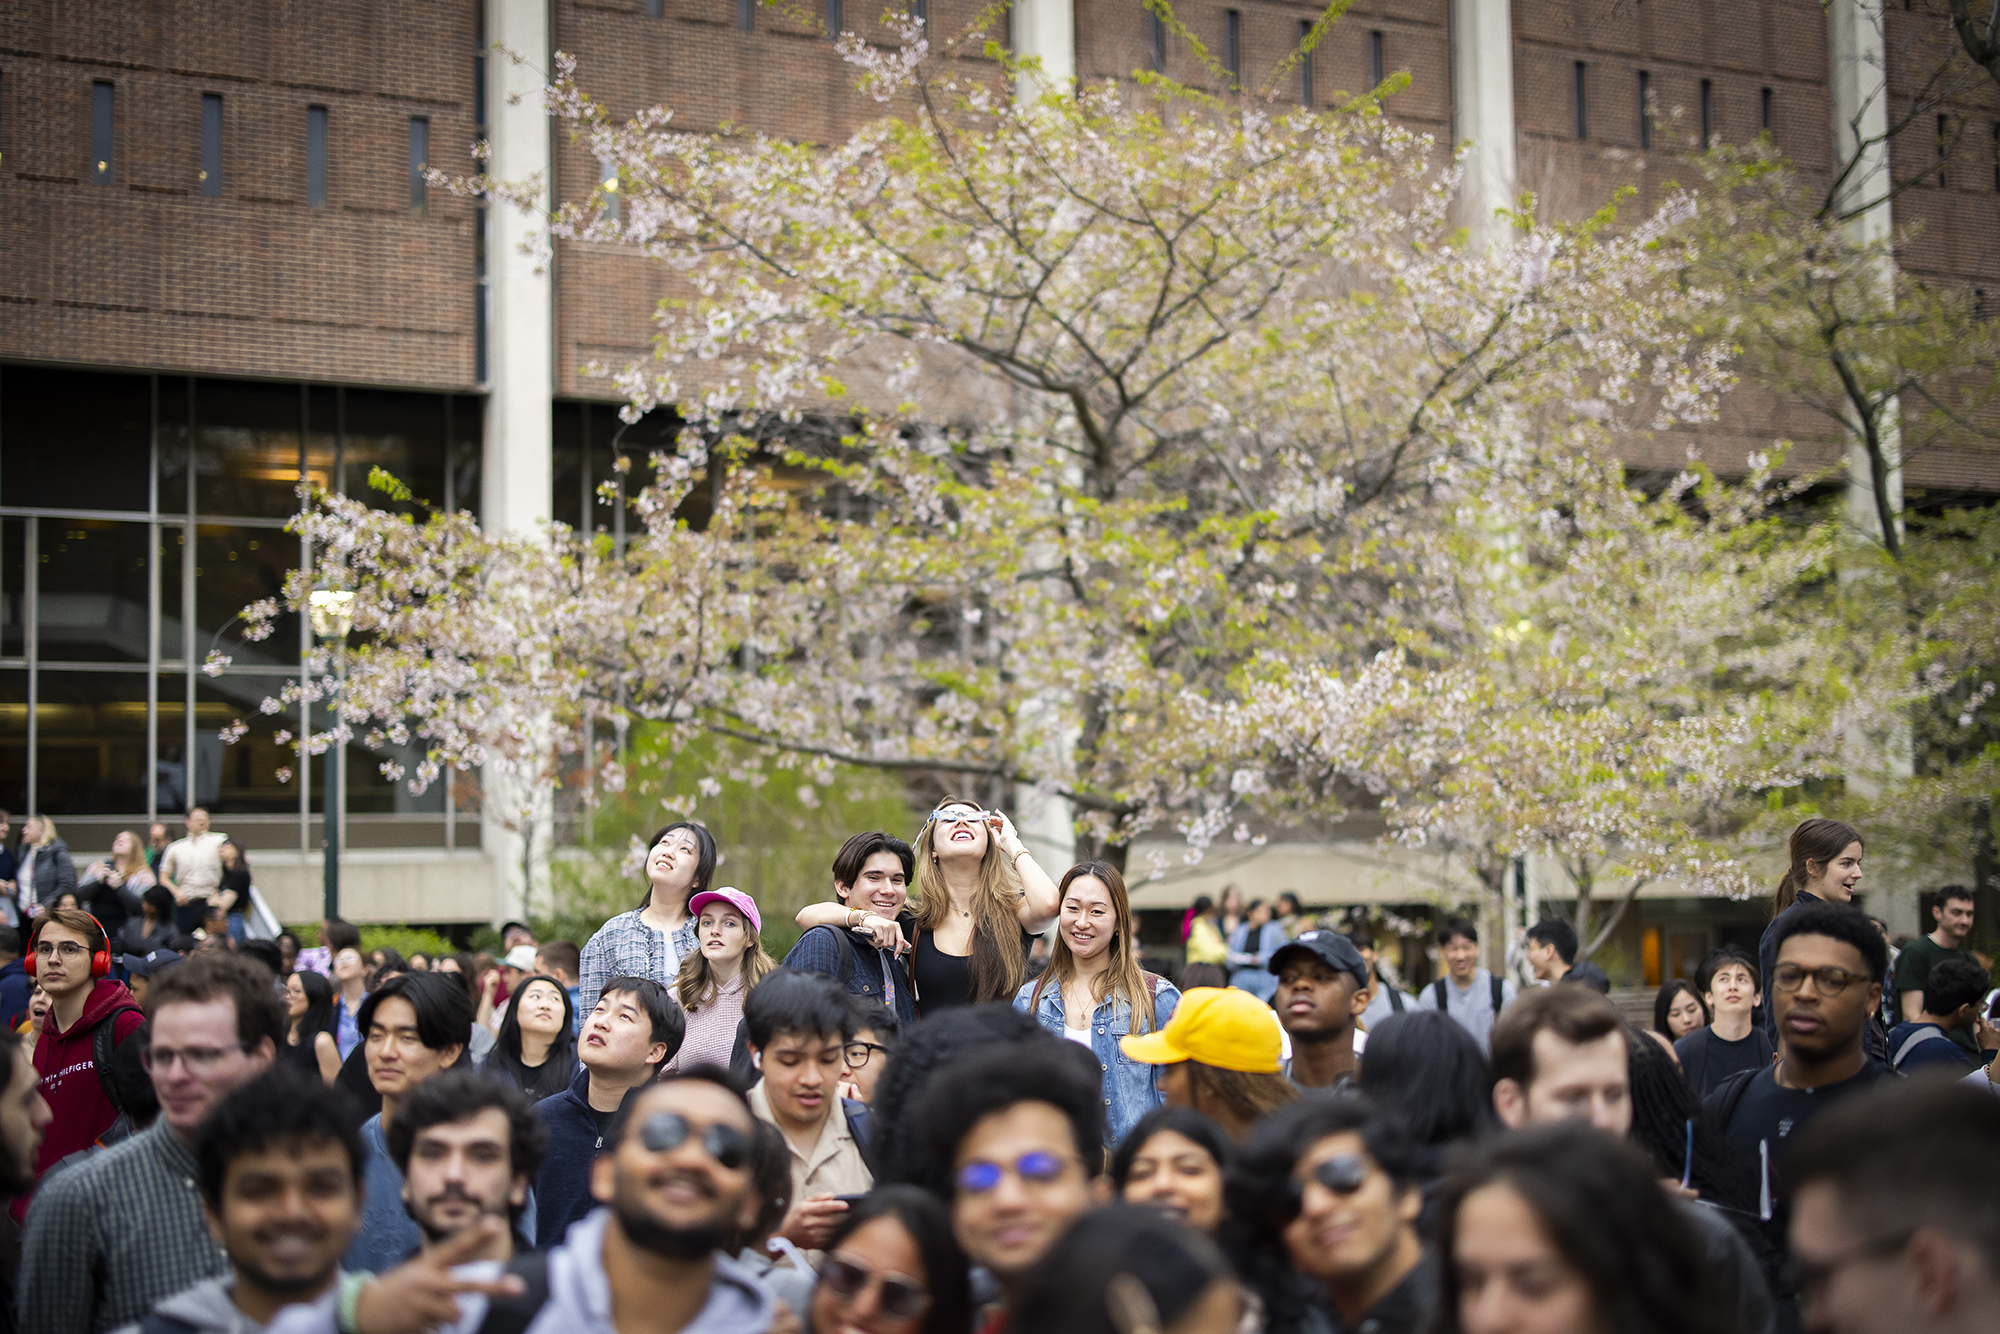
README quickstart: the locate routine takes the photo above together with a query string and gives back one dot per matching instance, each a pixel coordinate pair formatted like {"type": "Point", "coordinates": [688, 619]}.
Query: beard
{"type": "Point", "coordinates": [434, 1234]}
{"type": "Point", "coordinates": [664, 1239]}
{"type": "Point", "coordinates": [288, 1288]}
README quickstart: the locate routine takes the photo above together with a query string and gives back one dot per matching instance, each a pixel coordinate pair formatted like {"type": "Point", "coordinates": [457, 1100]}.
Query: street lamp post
{"type": "Point", "coordinates": [332, 618]}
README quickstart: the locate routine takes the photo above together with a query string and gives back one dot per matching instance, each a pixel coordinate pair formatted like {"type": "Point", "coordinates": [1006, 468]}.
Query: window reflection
{"type": "Point", "coordinates": [234, 567]}
{"type": "Point", "coordinates": [91, 584]}
{"type": "Point", "coordinates": [71, 416]}
{"type": "Point", "coordinates": [90, 744]}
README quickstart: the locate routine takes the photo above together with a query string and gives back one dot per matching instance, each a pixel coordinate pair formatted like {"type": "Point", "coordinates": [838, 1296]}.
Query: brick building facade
{"type": "Point", "coordinates": [223, 263]}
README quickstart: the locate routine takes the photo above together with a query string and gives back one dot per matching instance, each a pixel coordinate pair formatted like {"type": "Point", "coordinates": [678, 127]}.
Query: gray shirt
{"type": "Point", "coordinates": [1380, 1007]}
{"type": "Point", "coordinates": [1472, 1008]}
{"type": "Point", "coordinates": [111, 1237]}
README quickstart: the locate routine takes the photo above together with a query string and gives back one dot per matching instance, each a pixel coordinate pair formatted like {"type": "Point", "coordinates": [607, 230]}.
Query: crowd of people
{"type": "Point", "coordinates": [911, 1125]}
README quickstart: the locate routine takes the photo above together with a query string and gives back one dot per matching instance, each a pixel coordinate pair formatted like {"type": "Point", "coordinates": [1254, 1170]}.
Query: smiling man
{"type": "Point", "coordinates": [1951, 917]}
{"type": "Point", "coordinates": [799, 1026]}
{"type": "Point", "coordinates": [1470, 995]}
{"type": "Point", "coordinates": [635, 1028]}
{"type": "Point", "coordinates": [281, 1194]}
{"type": "Point", "coordinates": [1322, 991]}
{"type": "Point", "coordinates": [413, 1027]}
{"type": "Point", "coordinates": [859, 940]}
{"type": "Point", "coordinates": [112, 1235]}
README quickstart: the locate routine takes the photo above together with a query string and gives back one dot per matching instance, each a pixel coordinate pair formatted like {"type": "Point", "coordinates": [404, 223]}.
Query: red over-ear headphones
{"type": "Point", "coordinates": [100, 959]}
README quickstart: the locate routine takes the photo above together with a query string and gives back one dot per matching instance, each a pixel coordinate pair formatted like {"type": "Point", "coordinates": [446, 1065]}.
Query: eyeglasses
{"type": "Point", "coordinates": [1343, 1174]}
{"type": "Point", "coordinates": [957, 815]}
{"type": "Point", "coordinates": [64, 949]}
{"type": "Point", "coordinates": [197, 1061]}
{"type": "Point", "coordinates": [663, 1132]}
{"type": "Point", "coordinates": [1826, 981]}
{"type": "Point", "coordinates": [1035, 1167]}
{"type": "Point", "coordinates": [858, 1054]}
{"type": "Point", "coordinates": [901, 1298]}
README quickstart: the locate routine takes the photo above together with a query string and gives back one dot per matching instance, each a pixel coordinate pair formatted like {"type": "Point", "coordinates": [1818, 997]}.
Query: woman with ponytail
{"type": "Point", "coordinates": [1825, 868]}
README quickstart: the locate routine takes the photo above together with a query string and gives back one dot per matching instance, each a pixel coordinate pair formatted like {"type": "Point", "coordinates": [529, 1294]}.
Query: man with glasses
{"type": "Point", "coordinates": [800, 1025]}
{"type": "Point", "coordinates": [1894, 1229]}
{"type": "Point", "coordinates": [673, 1184]}
{"type": "Point", "coordinates": [91, 1015]}
{"type": "Point", "coordinates": [1828, 960]}
{"type": "Point", "coordinates": [111, 1236]}
{"type": "Point", "coordinates": [1013, 1140]}
{"type": "Point", "coordinates": [876, 1034]}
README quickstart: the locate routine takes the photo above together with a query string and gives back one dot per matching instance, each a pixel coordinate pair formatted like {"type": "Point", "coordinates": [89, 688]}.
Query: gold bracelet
{"type": "Point", "coordinates": [1015, 860]}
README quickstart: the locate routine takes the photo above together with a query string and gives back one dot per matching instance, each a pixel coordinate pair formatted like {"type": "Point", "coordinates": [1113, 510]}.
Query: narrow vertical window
{"type": "Point", "coordinates": [1707, 113]}
{"type": "Point", "coordinates": [101, 106]}
{"type": "Point", "coordinates": [1996, 155]}
{"type": "Point", "coordinates": [1764, 110]}
{"type": "Point", "coordinates": [746, 13]}
{"type": "Point", "coordinates": [211, 145]}
{"type": "Point", "coordinates": [1305, 64]}
{"type": "Point", "coordinates": [1580, 95]}
{"type": "Point", "coordinates": [656, 9]}
{"type": "Point", "coordinates": [1943, 147]}
{"type": "Point", "coordinates": [1159, 43]}
{"type": "Point", "coordinates": [420, 160]}
{"type": "Point", "coordinates": [1232, 45]}
{"type": "Point", "coordinates": [833, 19]}
{"type": "Point", "coordinates": [917, 9]}
{"type": "Point", "coordinates": [1645, 111]}
{"type": "Point", "coordinates": [607, 181]}
{"type": "Point", "coordinates": [1374, 60]}
{"type": "Point", "coordinates": [315, 157]}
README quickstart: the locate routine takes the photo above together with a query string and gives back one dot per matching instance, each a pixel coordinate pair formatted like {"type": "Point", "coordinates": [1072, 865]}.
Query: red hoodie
{"type": "Point", "coordinates": [69, 1074]}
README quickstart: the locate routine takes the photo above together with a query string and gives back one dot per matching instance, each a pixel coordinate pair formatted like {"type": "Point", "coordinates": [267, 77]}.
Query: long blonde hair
{"type": "Point", "coordinates": [698, 985]}
{"type": "Point", "coordinates": [998, 964]}
{"type": "Point", "coordinates": [1122, 976]}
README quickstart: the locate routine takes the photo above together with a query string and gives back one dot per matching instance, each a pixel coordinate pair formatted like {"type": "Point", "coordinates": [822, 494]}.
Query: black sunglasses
{"type": "Point", "coordinates": [663, 1132]}
{"type": "Point", "coordinates": [901, 1298]}
{"type": "Point", "coordinates": [1343, 1174]}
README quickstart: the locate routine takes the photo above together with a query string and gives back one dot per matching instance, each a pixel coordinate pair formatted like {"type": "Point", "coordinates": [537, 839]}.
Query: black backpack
{"type": "Point", "coordinates": [1443, 997]}
{"type": "Point", "coordinates": [122, 1072]}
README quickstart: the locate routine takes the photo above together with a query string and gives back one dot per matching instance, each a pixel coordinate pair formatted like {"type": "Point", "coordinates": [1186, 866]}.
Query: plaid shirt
{"type": "Point", "coordinates": [114, 1234]}
{"type": "Point", "coordinates": [627, 947]}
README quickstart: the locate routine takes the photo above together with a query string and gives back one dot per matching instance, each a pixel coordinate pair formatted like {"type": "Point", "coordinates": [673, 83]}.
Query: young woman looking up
{"type": "Point", "coordinates": [718, 975]}
{"type": "Point", "coordinates": [536, 1046]}
{"type": "Point", "coordinates": [1094, 992]}
{"type": "Point", "coordinates": [651, 940]}
{"type": "Point", "coordinates": [980, 890]}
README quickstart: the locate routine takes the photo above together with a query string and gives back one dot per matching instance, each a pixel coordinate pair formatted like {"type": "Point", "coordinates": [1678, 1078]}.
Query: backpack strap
{"type": "Point", "coordinates": [1915, 1040]}
{"type": "Point", "coordinates": [1395, 1000]}
{"type": "Point", "coordinates": [104, 1049]}
{"type": "Point", "coordinates": [513, 1315]}
{"type": "Point", "coordinates": [1443, 999]}
{"type": "Point", "coordinates": [1499, 990]}
{"type": "Point", "coordinates": [844, 971]}
{"type": "Point", "coordinates": [1721, 1104]}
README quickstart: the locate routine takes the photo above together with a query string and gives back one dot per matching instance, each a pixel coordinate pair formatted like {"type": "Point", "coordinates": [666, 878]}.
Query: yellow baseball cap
{"type": "Point", "coordinates": [1225, 1027]}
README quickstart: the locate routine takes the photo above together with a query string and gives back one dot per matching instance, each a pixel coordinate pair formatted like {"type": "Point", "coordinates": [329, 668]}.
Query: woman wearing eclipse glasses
{"type": "Point", "coordinates": [981, 897]}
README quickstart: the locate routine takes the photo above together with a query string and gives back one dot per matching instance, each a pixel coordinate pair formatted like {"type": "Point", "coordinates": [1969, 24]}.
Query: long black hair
{"type": "Point", "coordinates": [704, 867]}
{"type": "Point", "coordinates": [555, 1073]}
{"type": "Point", "coordinates": [1598, 1202]}
{"type": "Point", "coordinates": [947, 1274]}
{"type": "Point", "coordinates": [1664, 1002]}
{"type": "Point", "coordinates": [1431, 1071]}
{"type": "Point", "coordinates": [319, 1016]}
{"type": "Point", "coordinates": [1663, 1108]}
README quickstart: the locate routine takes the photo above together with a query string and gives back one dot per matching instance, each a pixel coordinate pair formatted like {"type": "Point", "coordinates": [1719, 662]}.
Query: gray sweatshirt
{"type": "Point", "coordinates": [206, 1308]}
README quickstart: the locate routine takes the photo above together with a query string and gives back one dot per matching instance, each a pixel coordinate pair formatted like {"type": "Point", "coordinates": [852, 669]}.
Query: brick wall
{"type": "Point", "coordinates": [146, 272]}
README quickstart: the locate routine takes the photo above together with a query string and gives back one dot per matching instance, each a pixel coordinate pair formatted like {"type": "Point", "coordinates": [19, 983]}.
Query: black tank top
{"type": "Point", "coordinates": [943, 980]}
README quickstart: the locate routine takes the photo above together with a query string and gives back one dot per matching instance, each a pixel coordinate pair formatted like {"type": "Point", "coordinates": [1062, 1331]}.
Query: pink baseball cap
{"type": "Point", "coordinates": [735, 898]}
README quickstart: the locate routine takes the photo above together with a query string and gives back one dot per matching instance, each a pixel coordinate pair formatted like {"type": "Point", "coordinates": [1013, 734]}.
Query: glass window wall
{"type": "Point", "coordinates": [138, 516]}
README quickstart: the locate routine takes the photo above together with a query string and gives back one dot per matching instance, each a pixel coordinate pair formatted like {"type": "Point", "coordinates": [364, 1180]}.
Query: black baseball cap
{"type": "Point", "coordinates": [1330, 948]}
{"type": "Point", "coordinates": [145, 965]}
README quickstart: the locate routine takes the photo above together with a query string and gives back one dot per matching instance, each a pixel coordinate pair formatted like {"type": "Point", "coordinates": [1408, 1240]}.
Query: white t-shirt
{"type": "Point", "coordinates": [1081, 1035]}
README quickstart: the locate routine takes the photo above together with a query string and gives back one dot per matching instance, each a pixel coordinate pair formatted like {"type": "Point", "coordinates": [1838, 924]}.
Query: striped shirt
{"type": "Point", "coordinates": [627, 947]}
{"type": "Point", "coordinates": [111, 1236]}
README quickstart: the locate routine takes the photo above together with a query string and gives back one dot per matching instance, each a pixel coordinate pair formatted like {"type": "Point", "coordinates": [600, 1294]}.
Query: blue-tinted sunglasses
{"type": "Point", "coordinates": [1036, 1167]}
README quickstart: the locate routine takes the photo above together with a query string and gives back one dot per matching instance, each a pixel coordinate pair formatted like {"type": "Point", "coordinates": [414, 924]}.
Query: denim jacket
{"type": "Point", "coordinates": [1131, 1088]}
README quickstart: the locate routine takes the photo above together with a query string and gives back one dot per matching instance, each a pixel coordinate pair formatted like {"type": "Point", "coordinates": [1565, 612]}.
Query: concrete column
{"type": "Point", "coordinates": [1860, 96]}
{"type": "Point", "coordinates": [1046, 30]}
{"type": "Point", "coordinates": [516, 477]}
{"type": "Point", "coordinates": [1482, 80]}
